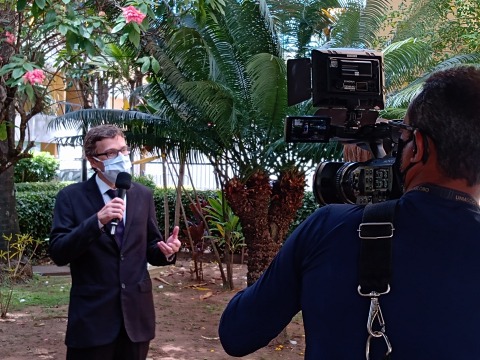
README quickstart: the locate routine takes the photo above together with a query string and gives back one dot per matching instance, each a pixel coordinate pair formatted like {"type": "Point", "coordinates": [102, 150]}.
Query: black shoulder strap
{"type": "Point", "coordinates": [376, 232]}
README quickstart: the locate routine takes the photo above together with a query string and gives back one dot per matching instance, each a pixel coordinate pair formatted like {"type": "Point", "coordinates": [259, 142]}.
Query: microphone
{"type": "Point", "coordinates": [122, 183]}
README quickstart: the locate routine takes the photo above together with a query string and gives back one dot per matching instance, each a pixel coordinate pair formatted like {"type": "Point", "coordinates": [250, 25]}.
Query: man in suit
{"type": "Point", "coordinates": [111, 312]}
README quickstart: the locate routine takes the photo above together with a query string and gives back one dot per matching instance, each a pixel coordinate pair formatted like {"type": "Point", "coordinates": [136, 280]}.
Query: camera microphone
{"type": "Point", "coordinates": [122, 183]}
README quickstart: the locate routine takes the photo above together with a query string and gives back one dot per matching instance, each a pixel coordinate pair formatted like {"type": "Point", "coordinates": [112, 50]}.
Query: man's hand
{"type": "Point", "coordinates": [172, 245]}
{"type": "Point", "coordinates": [112, 210]}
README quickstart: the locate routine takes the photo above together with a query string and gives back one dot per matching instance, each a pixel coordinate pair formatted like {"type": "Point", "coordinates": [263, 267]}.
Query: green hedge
{"type": "Point", "coordinates": [158, 197]}
{"type": "Point", "coordinates": [308, 207]}
{"type": "Point", "coordinates": [41, 186]}
{"type": "Point", "coordinates": [35, 215]}
{"type": "Point", "coordinates": [35, 202]}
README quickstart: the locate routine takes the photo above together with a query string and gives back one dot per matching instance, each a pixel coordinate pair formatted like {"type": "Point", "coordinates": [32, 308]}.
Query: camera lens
{"type": "Point", "coordinates": [347, 182]}
{"type": "Point", "coordinates": [324, 183]}
{"type": "Point", "coordinates": [355, 182]}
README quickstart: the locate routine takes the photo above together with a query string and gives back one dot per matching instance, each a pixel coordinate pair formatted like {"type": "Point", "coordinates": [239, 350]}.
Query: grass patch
{"type": "Point", "coordinates": [44, 291]}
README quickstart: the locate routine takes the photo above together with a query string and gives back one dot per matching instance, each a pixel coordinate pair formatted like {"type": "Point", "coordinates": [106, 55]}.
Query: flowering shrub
{"type": "Point", "coordinates": [131, 14]}
{"type": "Point", "coordinates": [9, 37]}
{"type": "Point", "coordinates": [35, 76]}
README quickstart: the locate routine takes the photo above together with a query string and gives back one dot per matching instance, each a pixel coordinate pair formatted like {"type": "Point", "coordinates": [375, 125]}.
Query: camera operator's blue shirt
{"type": "Point", "coordinates": [431, 312]}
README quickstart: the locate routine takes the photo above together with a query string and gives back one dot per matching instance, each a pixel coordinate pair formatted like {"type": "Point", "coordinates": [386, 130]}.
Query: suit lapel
{"type": "Point", "coordinates": [93, 194]}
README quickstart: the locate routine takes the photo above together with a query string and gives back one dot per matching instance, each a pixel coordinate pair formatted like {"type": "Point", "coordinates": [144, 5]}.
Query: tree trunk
{"type": "Point", "coordinates": [266, 212]}
{"type": "Point", "coordinates": [287, 198]}
{"type": "Point", "coordinates": [166, 223]}
{"type": "Point", "coordinates": [180, 181]}
{"type": "Point", "coordinates": [8, 212]}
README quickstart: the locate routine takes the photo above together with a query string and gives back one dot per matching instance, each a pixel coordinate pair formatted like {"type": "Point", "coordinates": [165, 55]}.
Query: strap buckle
{"type": "Point", "coordinates": [375, 230]}
{"type": "Point", "coordinates": [375, 315]}
{"type": "Point", "coordinates": [387, 342]}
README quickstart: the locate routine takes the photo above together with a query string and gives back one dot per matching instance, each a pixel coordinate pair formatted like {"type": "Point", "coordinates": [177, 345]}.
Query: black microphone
{"type": "Point", "coordinates": [123, 183]}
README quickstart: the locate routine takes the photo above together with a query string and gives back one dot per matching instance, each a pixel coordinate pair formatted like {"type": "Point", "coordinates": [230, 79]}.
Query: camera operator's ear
{"type": "Point", "coordinates": [420, 146]}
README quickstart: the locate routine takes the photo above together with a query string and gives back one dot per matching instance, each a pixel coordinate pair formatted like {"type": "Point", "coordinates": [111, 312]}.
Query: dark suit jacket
{"type": "Point", "coordinates": [110, 286]}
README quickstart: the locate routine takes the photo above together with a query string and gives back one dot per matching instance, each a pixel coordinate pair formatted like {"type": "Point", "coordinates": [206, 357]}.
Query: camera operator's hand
{"type": "Point", "coordinates": [353, 153]}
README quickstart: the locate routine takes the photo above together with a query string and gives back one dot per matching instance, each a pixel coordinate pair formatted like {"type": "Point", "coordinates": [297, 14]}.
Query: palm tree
{"type": "Point", "coordinates": [222, 85]}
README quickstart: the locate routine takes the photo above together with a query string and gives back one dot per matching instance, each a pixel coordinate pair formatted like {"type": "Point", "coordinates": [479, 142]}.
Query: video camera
{"type": "Point", "coordinates": [347, 87]}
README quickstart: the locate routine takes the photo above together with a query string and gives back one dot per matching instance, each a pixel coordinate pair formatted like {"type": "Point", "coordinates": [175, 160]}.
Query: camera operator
{"type": "Point", "coordinates": [431, 311]}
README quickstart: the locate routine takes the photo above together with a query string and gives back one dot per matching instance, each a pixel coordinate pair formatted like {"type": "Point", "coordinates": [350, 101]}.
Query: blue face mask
{"type": "Point", "coordinates": [112, 167]}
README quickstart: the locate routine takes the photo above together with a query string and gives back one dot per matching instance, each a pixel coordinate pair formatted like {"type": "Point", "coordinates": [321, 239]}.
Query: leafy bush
{"type": "Point", "coordinates": [146, 180]}
{"type": "Point", "coordinates": [17, 257]}
{"type": "Point", "coordinates": [308, 207]}
{"type": "Point", "coordinates": [35, 215]}
{"type": "Point", "coordinates": [16, 267]}
{"type": "Point", "coordinates": [158, 196]}
{"type": "Point", "coordinates": [42, 166]}
{"type": "Point", "coordinates": [35, 203]}
{"type": "Point", "coordinates": [225, 227]}
{"type": "Point", "coordinates": [41, 186]}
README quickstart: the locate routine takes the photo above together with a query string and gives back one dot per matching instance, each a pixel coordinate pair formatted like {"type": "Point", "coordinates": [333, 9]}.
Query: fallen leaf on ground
{"type": "Point", "coordinates": [206, 296]}
{"type": "Point", "coordinates": [162, 280]}
{"type": "Point", "coordinates": [210, 338]}
{"type": "Point", "coordinates": [197, 286]}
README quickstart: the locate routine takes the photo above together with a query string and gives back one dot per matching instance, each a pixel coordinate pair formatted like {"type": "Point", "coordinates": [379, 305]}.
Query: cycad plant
{"type": "Point", "coordinates": [222, 85]}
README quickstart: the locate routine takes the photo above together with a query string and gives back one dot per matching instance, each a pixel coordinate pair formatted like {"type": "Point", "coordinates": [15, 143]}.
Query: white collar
{"type": "Point", "coordinates": [102, 185]}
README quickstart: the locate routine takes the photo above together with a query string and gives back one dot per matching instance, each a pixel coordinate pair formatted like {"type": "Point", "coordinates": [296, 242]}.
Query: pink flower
{"type": "Point", "coordinates": [132, 14]}
{"type": "Point", "coordinates": [9, 37]}
{"type": "Point", "coordinates": [34, 77]}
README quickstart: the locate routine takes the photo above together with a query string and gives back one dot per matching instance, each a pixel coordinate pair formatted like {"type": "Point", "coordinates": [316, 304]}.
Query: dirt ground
{"type": "Point", "coordinates": [187, 319]}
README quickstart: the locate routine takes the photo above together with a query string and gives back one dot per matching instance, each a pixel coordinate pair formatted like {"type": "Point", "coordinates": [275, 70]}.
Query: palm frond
{"type": "Point", "coordinates": [92, 117]}
{"type": "Point", "coordinates": [371, 19]}
{"type": "Point", "coordinates": [461, 59]}
{"type": "Point", "coordinates": [393, 113]}
{"type": "Point", "coordinates": [82, 120]}
{"type": "Point", "coordinates": [187, 50]}
{"type": "Point", "coordinates": [359, 24]}
{"type": "Point", "coordinates": [305, 155]}
{"type": "Point", "coordinates": [253, 16]}
{"type": "Point", "coordinates": [268, 74]}
{"type": "Point", "coordinates": [403, 97]}
{"type": "Point", "coordinates": [213, 100]}
{"type": "Point", "coordinates": [421, 19]}
{"type": "Point", "coordinates": [298, 22]}
{"type": "Point", "coordinates": [225, 59]}
{"type": "Point", "coordinates": [265, 13]}
{"type": "Point", "coordinates": [345, 31]}
{"type": "Point", "coordinates": [404, 61]}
